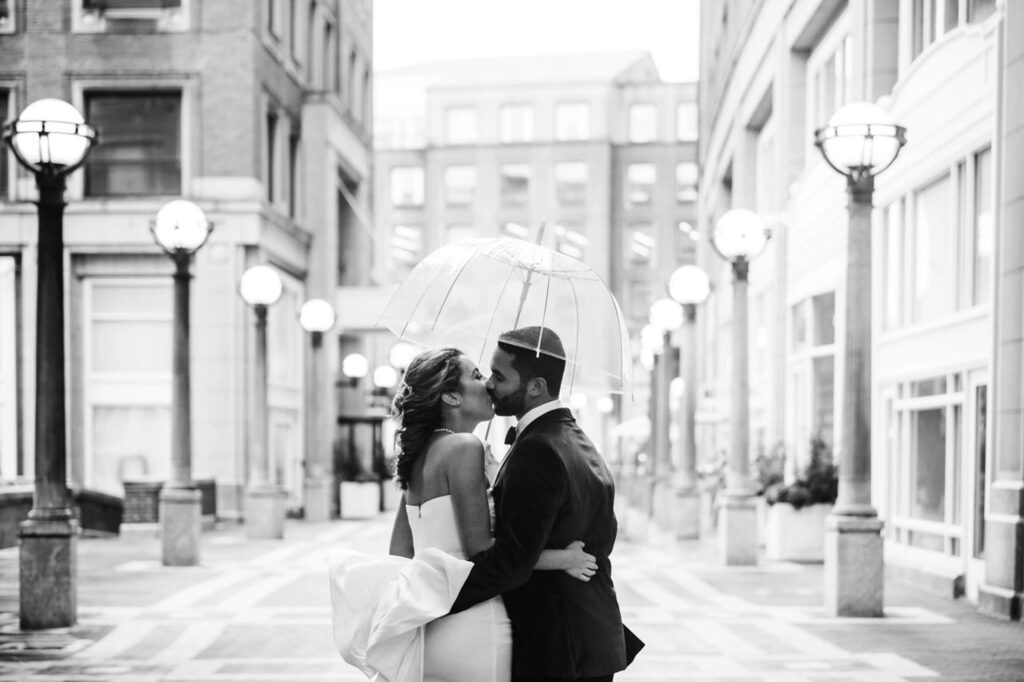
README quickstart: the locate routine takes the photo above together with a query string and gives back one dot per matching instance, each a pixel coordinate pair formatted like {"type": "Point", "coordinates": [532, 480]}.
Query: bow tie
{"type": "Point", "coordinates": [510, 435]}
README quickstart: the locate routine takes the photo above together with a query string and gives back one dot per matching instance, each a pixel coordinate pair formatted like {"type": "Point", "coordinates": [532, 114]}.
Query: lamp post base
{"type": "Point", "coordinates": [48, 551]}
{"type": "Point", "coordinates": [264, 512]}
{"type": "Point", "coordinates": [180, 525]}
{"type": "Point", "coordinates": [737, 530]}
{"type": "Point", "coordinates": [854, 566]}
{"type": "Point", "coordinates": [686, 512]}
{"type": "Point", "coordinates": [317, 494]}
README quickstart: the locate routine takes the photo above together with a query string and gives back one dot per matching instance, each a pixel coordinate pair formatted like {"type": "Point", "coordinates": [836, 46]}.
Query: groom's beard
{"type": "Point", "coordinates": [510, 405]}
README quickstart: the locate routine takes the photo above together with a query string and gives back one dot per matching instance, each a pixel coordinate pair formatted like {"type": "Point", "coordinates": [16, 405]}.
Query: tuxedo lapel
{"type": "Point", "coordinates": [560, 414]}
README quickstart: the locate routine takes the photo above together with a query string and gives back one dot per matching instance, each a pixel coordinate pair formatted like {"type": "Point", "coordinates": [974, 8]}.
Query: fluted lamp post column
{"type": "Point", "coordinates": [860, 141]}
{"type": "Point", "coordinates": [261, 287]}
{"type": "Point", "coordinates": [739, 236]}
{"type": "Point", "coordinates": [181, 229]}
{"type": "Point", "coordinates": [49, 138]}
{"type": "Point", "coordinates": [317, 317]}
{"type": "Point", "coordinates": [666, 316]}
{"type": "Point", "coordinates": [689, 286]}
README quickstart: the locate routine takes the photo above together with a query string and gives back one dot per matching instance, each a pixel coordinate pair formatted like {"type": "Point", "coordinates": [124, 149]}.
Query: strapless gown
{"type": "Point", "coordinates": [387, 611]}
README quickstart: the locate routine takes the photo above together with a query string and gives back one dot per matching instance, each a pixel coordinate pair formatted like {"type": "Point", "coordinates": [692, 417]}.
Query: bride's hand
{"type": "Point", "coordinates": [581, 565]}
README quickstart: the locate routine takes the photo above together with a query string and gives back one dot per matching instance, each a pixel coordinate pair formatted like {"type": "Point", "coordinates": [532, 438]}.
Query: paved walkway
{"type": "Point", "coordinates": [258, 611]}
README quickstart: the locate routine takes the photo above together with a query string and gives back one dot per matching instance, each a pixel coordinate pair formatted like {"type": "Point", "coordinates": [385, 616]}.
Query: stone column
{"type": "Point", "coordinates": [1002, 593]}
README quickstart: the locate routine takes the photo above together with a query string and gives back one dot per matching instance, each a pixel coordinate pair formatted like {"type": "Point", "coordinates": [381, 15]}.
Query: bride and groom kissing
{"type": "Point", "coordinates": [489, 584]}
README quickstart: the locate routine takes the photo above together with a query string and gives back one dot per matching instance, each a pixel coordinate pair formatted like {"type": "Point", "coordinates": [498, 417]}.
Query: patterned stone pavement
{"type": "Point", "coordinates": [258, 611]}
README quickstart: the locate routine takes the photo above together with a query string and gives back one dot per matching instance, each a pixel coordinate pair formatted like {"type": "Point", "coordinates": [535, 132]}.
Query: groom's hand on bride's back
{"type": "Point", "coordinates": [581, 565]}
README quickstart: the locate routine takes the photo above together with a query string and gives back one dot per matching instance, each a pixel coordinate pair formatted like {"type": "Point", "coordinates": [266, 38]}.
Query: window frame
{"type": "Point", "coordinates": [418, 185]}
{"type": "Point", "coordinates": [561, 130]}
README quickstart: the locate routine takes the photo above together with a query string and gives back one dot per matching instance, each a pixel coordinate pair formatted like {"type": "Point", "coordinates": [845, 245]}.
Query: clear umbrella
{"type": "Point", "coordinates": [467, 293]}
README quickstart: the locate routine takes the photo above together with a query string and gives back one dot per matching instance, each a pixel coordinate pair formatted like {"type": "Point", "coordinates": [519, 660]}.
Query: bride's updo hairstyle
{"type": "Point", "coordinates": [416, 408]}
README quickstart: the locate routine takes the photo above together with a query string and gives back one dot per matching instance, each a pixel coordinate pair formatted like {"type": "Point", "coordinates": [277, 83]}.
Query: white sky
{"type": "Point", "coordinates": [408, 32]}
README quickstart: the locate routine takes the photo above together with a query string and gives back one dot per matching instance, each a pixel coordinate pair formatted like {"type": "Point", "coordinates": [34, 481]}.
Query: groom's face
{"type": "Point", "coordinates": [507, 390]}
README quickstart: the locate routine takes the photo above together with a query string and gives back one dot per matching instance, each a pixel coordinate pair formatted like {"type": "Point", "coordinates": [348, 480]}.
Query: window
{"type": "Point", "coordinates": [572, 121]}
{"type": "Point", "coordinates": [460, 125]}
{"type": "Point", "coordinates": [934, 290]}
{"type": "Point", "coordinates": [293, 30]}
{"type": "Point", "coordinates": [812, 368]}
{"type": "Point", "coordinates": [686, 181]}
{"type": "Point", "coordinates": [273, 9]}
{"type": "Point", "coordinates": [141, 150]}
{"type": "Point", "coordinates": [979, 10]}
{"type": "Point", "coordinates": [459, 185]}
{"type": "Point", "coordinates": [571, 182]}
{"type": "Point", "coordinates": [6, 16]}
{"type": "Point", "coordinates": [893, 273]}
{"type": "Point", "coordinates": [686, 122]}
{"type": "Point", "coordinates": [293, 174]}
{"type": "Point", "coordinates": [406, 246]}
{"type": "Point", "coordinates": [515, 184]}
{"type": "Point", "coordinates": [686, 242]}
{"type": "Point", "coordinates": [831, 79]}
{"type": "Point", "coordinates": [641, 295]}
{"type": "Point", "coordinates": [407, 186]}
{"type": "Point", "coordinates": [516, 123]}
{"type": "Point", "coordinates": [643, 123]}
{"type": "Point", "coordinates": [928, 462]}
{"type": "Point", "coordinates": [823, 307]}
{"type": "Point", "coordinates": [11, 460]}
{"type": "Point", "coordinates": [640, 179]}
{"type": "Point", "coordinates": [271, 156]}
{"type": "Point", "coordinates": [517, 230]}
{"type": "Point", "coordinates": [571, 238]}
{"type": "Point", "coordinates": [129, 4]}
{"type": "Point", "coordinates": [641, 245]}
{"type": "Point", "coordinates": [931, 19]}
{"type": "Point", "coordinates": [127, 369]}
{"type": "Point", "coordinates": [982, 229]}
{"type": "Point", "coordinates": [459, 231]}
{"type": "Point", "coordinates": [5, 158]}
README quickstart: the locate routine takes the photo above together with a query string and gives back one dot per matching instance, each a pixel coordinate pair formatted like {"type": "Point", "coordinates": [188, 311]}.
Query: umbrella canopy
{"type": "Point", "coordinates": [469, 292]}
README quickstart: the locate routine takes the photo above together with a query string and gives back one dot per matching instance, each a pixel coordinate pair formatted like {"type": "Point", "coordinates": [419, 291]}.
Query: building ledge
{"type": "Point", "coordinates": [934, 573]}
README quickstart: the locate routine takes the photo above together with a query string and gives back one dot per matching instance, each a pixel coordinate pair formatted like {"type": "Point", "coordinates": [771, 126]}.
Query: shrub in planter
{"type": "Point", "coordinates": [817, 484]}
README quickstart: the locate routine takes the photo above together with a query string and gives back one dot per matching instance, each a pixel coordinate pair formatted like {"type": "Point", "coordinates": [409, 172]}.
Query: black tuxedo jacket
{"type": "Point", "coordinates": [553, 488]}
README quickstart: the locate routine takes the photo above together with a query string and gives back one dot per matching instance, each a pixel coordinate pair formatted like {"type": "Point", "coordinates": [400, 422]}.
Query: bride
{"type": "Point", "coordinates": [446, 508]}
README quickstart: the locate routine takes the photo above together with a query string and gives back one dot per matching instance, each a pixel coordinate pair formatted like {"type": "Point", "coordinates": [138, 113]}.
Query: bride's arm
{"type": "Point", "coordinates": [401, 533]}
{"type": "Point", "coordinates": [468, 487]}
{"type": "Point", "coordinates": [573, 560]}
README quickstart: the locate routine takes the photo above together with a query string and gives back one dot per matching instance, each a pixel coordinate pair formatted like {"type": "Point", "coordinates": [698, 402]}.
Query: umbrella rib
{"type": "Point", "coordinates": [501, 294]}
{"type": "Point", "coordinates": [412, 312]}
{"type": "Point", "coordinates": [576, 343]}
{"type": "Point", "coordinates": [615, 307]}
{"type": "Point", "coordinates": [544, 314]}
{"type": "Point", "coordinates": [448, 293]}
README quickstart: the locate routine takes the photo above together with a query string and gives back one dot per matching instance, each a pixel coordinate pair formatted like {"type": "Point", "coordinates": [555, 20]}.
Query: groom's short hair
{"type": "Point", "coordinates": [536, 352]}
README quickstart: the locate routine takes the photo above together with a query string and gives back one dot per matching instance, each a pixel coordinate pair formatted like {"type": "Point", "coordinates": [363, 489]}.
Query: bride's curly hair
{"type": "Point", "coordinates": [416, 408]}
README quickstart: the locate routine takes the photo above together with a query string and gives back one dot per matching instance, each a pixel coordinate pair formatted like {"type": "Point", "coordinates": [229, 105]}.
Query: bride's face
{"type": "Point", "coordinates": [476, 402]}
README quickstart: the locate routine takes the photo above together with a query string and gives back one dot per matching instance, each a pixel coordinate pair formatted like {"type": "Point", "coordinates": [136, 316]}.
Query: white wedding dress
{"type": "Point", "coordinates": [387, 611]}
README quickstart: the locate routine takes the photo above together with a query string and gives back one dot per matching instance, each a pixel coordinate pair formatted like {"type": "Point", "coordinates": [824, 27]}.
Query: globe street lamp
{"type": "Point", "coordinates": [180, 229]}
{"type": "Point", "coordinates": [317, 317]}
{"type": "Point", "coordinates": [860, 141]}
{"type": "Point", "coordinates": [261, 287]}
{"type": "Point", "coordinates": [689, 286]}
{"type": "Point", "coordinates": [739, 236]}
{"type": "Point", "coordinates": [49, 138]}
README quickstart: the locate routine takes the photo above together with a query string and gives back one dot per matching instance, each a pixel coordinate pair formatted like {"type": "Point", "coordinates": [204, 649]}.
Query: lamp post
{"type": "Point", "coordinates": [261, 287]}
{"type": "Point", "coordinates": [317, 317]}
{"type": "Point", "coordinates": [689, 286]}
{"type": "Point", "coordinates": [860, 141]}
{"type": "Point", "coordinates": [739, 236]}
{"type": "Point", "coordinates": [49, 138]}
{"type": "Point", "coordinates": [180, 229]}
{"type": "Point", "coordinates": [666, 316]}
{"type": "Point", "coordinates": [355, 366]}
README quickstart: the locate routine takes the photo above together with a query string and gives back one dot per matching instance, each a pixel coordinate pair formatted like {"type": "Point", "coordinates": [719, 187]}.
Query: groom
{"type": "Point", "coordinates": [553, 488]}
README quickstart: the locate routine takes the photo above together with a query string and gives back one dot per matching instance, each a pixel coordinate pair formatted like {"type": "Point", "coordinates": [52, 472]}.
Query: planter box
{"type": "Point", "coordinates": [359, 499]}
{"type": "Point", "coordinates": [796, 534]}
